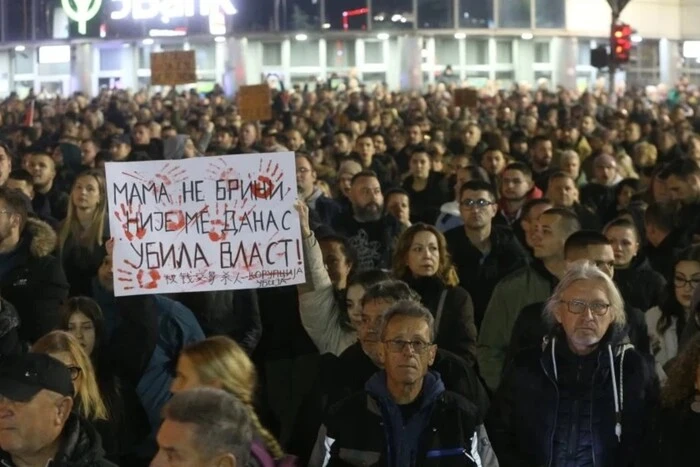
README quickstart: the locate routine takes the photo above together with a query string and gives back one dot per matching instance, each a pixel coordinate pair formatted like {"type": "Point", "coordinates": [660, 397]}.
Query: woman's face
{"type": "Point", "coordinates": [336, 262]}
{"type": "Point", "coordinates": [625, 196]}
{"type": "Point", "coordinates": [86, 193]}
{"type": "Point", "coordinates": [76, 373]}
{"type": "Point", "coordinates": [624, 243]}
{"type": "Point", "coordinates": [424, 255]}
{"type": "Point", "coordinates": [353, 303]}
{"type": "Point", "coordinates": [420, 165]}
{"type": "Point", "coordinates": [186, 376]}
{"type": "Point", "coordinates": [685, 279]}
{"type": "Point", "coordinates": [83, 329]}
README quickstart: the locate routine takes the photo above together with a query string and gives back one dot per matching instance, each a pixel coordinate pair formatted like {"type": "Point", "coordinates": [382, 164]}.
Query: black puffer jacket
{"type": "Point", "coordinates": [80, 447]}
{"type": "Point", "coordinates": [640, 285]}
{"type": "Point", "coordinates": [555, 408]}
{"type": "Point", "coordinates": [33, 280]}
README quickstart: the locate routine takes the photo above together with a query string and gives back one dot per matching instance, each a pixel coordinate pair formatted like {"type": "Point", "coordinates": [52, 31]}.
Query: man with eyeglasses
{"type": "Point", "coordinates": [37, 425]}
{"type": "Point", "coordinates": [371, 232]}
{"type": "Point", "coordinates": [584, 396]}
{"type": "Point", "coordinates": [584, 245]}
{"type": "Point", "coordinates": [482, 252]}
{"type": "Point", "coordinates": [405, 416]}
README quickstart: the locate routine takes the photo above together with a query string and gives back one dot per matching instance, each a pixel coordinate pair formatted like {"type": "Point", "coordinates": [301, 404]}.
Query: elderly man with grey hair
{"type": "Point", "coordinates": [405, 417]}
{"type": "Point", "coordinates": [586, 395]}
{"type": "Point", "coordinates": [204, 427]}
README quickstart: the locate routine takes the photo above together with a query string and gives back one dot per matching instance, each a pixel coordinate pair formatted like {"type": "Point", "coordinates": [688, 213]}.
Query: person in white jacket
{"type": "Point", "coordinates": [330, 326]}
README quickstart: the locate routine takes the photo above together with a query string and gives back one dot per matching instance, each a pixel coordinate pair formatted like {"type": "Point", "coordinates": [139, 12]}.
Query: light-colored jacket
{"type": "Point", "coordinates": [320, 313]}
{"type": "Point", "coordinates": [664, 346]}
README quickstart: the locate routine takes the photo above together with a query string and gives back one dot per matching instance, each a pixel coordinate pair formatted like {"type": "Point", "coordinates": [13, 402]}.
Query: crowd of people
{"type": "Point", "coordinates": [512, 284]}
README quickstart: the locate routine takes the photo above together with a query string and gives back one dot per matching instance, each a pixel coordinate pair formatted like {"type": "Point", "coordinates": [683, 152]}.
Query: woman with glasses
{"type": "Point", "coordinates": [422, 261]}
{"type": "Point", "coordinates": [667, 322]}
{"type": "Point", "coordinates": [84, 231]}
{"type": "Point", "coordinates": [582, 398]}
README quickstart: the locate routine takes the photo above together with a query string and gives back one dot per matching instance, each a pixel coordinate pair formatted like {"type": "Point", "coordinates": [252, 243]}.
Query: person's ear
{"type": "Point", "coordinates": [431, 354]}
{"type": "Point", "coordinates": [557, 313]}
{"type": "Point", "coordinates": [63, 409]}
{"type": "Point", "coordinates": [226, 460]}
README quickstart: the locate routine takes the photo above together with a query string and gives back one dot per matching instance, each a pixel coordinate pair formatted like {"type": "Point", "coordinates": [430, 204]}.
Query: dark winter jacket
{"type": "Point", "coordinates": [557, 408]}
{"type": "Point", "coordinates": [443, 429]}
{"type": "Point", "coordinates": [425, 204]}
{"type": "Point", "coordinates": [674, 438]}
{"type": "Point", "coordinates": [55, 202]}
{"type": "Point", "coordinates": [639, 285]}
{"type": "Point", "coordinates": [10, 344]}
{"type": "Point", "coordinates": [81, 263]}
{"type": "Point", "coordinates": [80, 447]}
{"type": "Point", "coordinates": [33, 281]}
{"type": "Point", "coordinates": [454, 317]}
{"type": "Point", "coordinates": [373, 242]}
{"type": "Point", "coordinates": [479, 274]}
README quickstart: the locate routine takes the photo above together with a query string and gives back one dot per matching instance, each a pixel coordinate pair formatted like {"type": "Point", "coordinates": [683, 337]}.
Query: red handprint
{"type": "Point", "coordinates": [266, 180]}
{"type": "Point", "coordinates": [145, 279]}
{"type": "Point", "coordinates": [219, 169]}
{"type": "Point", "coordinates": [218, 232]}
{"type": "Point", "coordinates": [130, 216]}
{"type": "Point", "coordinates": [170, 175]}
{"type": "Point", "coordinates": [175, 220]}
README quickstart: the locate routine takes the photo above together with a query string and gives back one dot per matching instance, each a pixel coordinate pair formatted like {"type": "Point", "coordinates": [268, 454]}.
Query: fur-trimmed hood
{"type": "Point", "coordinates": [41, 237]}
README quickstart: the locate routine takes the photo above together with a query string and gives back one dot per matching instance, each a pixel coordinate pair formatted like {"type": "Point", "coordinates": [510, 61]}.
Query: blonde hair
{"type": "Point", "coordinates": [91, 405]}
{"type": "Point", "coordinates": [221, 360]}
{"type": "Point", "coordinates": [71, 225]}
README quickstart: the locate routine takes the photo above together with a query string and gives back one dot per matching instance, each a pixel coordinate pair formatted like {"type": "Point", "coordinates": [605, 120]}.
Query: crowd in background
{"type": "Point", "coordinates": [511, 283]}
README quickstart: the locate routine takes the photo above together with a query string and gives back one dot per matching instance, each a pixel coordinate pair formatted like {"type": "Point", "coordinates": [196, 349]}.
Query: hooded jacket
{"type": "Point", "coordinates": [80, 446]}
{"type": "Point", "coordinates": [369, 428]}
{"type": "Point", "coordinates": [554, 408]}
{"type": "Point", "coordinates": [33, 280]}
{"type": "Point", "coordinates": [531, 284]}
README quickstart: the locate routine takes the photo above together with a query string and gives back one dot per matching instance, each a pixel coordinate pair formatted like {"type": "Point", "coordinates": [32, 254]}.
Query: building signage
{"type": "Point", "coordinates": [82, 11]}
{"type": "Point", "coordinates": [150, 9]}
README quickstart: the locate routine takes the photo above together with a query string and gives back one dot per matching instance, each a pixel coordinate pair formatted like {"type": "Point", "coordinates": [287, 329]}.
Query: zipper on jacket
{"type": "Point", "coordinates": [574, 432]}
{"type": "Point", "coordinates": [556, 412]}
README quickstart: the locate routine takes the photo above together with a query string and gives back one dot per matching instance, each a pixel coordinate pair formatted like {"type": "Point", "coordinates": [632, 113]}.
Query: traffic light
{"type": "Point", "coordinates": [621, 42]}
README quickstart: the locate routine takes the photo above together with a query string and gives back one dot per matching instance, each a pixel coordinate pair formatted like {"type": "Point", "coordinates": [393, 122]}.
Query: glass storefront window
{"type": "Point", "coordinates": [514, 14]}
{"type": "Point", "coordinates": [477, 52]}
{"type": "Point", "coordinates": [205, 55]}
{"type": "Point", "coordinates": [257, 16]}
{"type": "Point", "coordinates": [504, 51]}
{"type": "Point", "coordinates": [476, 14]}
{"type": "Point", "coordinates": [304, 53]}
{"type": "Point", "coordinates": [272, 53]}
{"type": "Point", "coordinates": [541, 52]}
{"type": "Point", "coordinates": [346, 15]}
{"type": "Point", "coordinates": [24, 61]}
{"type": "Point", "coordinates": [435, 14]}
{"type": "Point", "coordinates": [374, 52]}
{"type": "Point", "coordinates": [301, 15]}
{"type": "Point", "coordinates": [340, 54]}
{"type": "Point", "coordinates": [392, 14]}
{"type": "Point", "coordinates": [446, 51]}
{"type": "Point", "coordinates": [550, 13]}
{"type": "Point", "coordinates": [111, 58]}
{"type": "Point", "coordinates": [18, 21]}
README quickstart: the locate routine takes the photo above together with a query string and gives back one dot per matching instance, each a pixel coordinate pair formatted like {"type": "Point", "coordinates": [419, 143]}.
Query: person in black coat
{"type": "Point", "coordinates": [10, 344]}
{"type": "Point", "coordinates": [639, 284]}
{"type": "Point", "coordinates": [422, 261]}
{"type": "Point", "coordinates": [569, 400]}
{"type": "Point", "coordinates": [427, 190]}
{"type": "Point", "coordinates": [482, 252]}
{"type": "Point", "coordinates": [676, 428]}
{"type": "Point", "coordinates": [31, 278]}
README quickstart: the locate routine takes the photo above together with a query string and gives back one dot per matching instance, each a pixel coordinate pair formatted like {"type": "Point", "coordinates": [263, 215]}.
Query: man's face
{"type": "Point", "coordinates": [493, 162]}
{"type": "Point", "coordinates": [8, 221]}
{"type": "Point", "coordinates": [88, 152]}
{"type": "Point", "coordinates": [119, 151]}
{"type": "Point", "coordinates": [398, 205]}
{"type": "Point", "coordinates": [224, 140]}
{"type": "Point", "coordinates": [248, 135]}
{"type": "Point", "coordinates": [341, 144]}
{"type": "Point", "coordinates": [306, 177]}
{"type": "Point", "coordinates": [402, 363]}
{"type": "Point", "coordinates": [420, 165]}
{"type": "Point", "coordinates": [365, 148]}
{"type": "Point", "coordinates": [570, 165]}
{"type": "Point", "coordinates": [570, 136]}
{"type": "Point", "coordinates": [5, 165]}
{"type": "Point", "coordinates": [624, 244]}
{"type": "Point", "coordinates": [43, 169]}
{"type": "Point", "coordinates": [548, 240]}
{"type": "Point", "coordinates": [177, 447]}
{"type": "Point", "coordinates": [367, 200]}
{"type": "Point", "coordinates": [477, 217]}
{"type": "Point", "coordinates": [472, 135]}
{"type": "Point", "coordinates": [682, 190]}
{"type": "Point", "coordinates": [21, 185]}
{"type": "Point", "coordinates": [605, 171]}
{"type": "Point", "coordinates": [542, 154]}
{"type": "Point", "coordinates": [562, 191]}
{"type": "Point", "coordinates": [414, 135]}
{"type": "Point", "coordinates": [104, 274]}
{"type": "Point", "coordinates": [587, 125]}
{"type": "Point", "coordinates": [632, 133]}
{"type": "Point", "coordinates": [141, 135]}
{"type": "Point", "coordinates": [584, 330]}
{"type": "Point", "coordinates": [529, 223]}
{"type": "Point", "coordinates": [27, 427]}
{"type": "Point", "coordinates": [295, 140]}
{"type": "Point", "coordinates": [379, 144]}
{"type": "Point", "coordinates": [602, 255]}
{"type": "Point", "coordinates": [515, 185]}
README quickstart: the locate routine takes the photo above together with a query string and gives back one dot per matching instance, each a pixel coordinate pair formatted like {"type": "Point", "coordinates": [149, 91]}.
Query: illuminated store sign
{"type": "Point", "coordinates": [82, 11]}
{"type": "Point", "coordinates": [167, 9]}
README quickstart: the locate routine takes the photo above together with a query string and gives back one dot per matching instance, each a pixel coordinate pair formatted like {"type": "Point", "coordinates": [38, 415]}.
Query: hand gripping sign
{"type": "Point", "coordinates": [81, 11]}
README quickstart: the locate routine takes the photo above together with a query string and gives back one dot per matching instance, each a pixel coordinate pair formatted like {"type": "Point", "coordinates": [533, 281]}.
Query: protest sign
{"type": "Point", "coordinates": [202, 224]}
{"type": "Point", "coordinates": [466, 98]}
{"type": "Point", "coordinates": [174, 67]}
{"type": "Point", "coordinates": [254, 102]}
